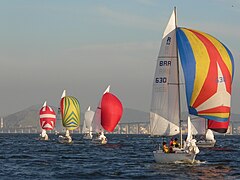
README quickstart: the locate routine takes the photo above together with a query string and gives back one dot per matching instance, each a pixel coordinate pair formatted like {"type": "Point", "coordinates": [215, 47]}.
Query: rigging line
{"type": "Point", "coordinates": [167, 57]}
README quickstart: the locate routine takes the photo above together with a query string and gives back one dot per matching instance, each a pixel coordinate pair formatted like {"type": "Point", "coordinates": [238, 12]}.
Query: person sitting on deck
{"type": "Point", "coordinates": [175, 143]}
{"type": "Point", "coordinates": [43, 135]}
{"type": "Point", "coordinates": [171, 142]}
{"type": "Point", "coordinates": [103, 138]}
{"type": "Point", "coordinates": [165, 148]}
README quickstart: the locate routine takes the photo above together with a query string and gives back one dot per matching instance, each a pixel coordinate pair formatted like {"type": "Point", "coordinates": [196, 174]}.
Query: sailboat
{"type": "Point", "coordinates": [208, 69]}
{"type": "Point", "coordinates": [47, 120]}
{"type": "Point", "coordinates": [107, 116]}
{"type": "Point", "coordinates": [70, 112]}
{"type": "Point", "coordinates": [59, 129]}
{"type": "Point", "coordinates": [205, 135]}
{"type": "Point", "coordinates": [87, 124]}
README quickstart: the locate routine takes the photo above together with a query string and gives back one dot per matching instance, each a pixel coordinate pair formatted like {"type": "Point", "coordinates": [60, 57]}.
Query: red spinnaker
{"type": "Point", "coordinates": [111, 111]}
{"type": "Point", "coordinates": [220, 127]}
{"type": "Point", "coordinates": [47, 118]}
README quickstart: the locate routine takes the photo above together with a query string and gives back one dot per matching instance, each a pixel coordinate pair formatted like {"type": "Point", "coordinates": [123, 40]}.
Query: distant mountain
{"type": "Point", "coordinates": [26, 118]}
{"type": "Point", "coordinates": [133, 116]}
{"type": "Point", "coordinates": [29, 117]}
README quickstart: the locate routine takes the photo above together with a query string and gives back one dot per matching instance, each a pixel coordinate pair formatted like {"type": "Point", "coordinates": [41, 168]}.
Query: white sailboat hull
{"type": "Point", "coordinates": [161, 157]}
{"type": "Point", "coordinates": [98, 140]}
{"type": "Point", "coordinates": [64, 140]}
{"type": "Point", "coordinates": [205, 143]}
{"type": "Point", "coordinates": [87, 136]}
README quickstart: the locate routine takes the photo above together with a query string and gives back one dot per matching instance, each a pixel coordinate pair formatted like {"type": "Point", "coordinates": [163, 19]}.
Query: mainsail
{"type": "Point", "coordinates": [198, 125]}
{"type": "Point", "coordinates": [87, 124]}
{"type": "Point", "coordinates": [47, 117]}
{"type": "Point", "coordinates": [165, 109]}
{"type": "Point", "coordinates": [208, 70]}
{"type": "Point", "coordinates": [96, 123]}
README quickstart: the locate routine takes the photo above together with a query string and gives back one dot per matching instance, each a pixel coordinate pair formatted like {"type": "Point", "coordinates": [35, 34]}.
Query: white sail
{"type": "Point", "coordinates": [209, 135]}
{"type": "Point", "coordinates": [84, 129]}
{"type": "Point", "coordinates": [88, 118]}
{"type": "Point", "coordinates": [164, 114]}
{"type": "Point", "coordinates": [44, 104]}
{"type": "Point", "coordinates": [198, 125]}
{"type": "Point", "coordinates": [189, 126]}
{"type": "Point", "coordinates": [96, 122]}
{"type": "Point", "coordinates": [63, 94]}
{"type": "Point", "coordinates": [107, 89]}
{"type": "Point", "coordinates": [59, 127]}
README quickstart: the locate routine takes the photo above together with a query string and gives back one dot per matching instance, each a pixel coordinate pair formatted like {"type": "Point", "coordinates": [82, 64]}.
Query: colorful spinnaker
{"type": "Point", "coordinates": [208, 68]}
{"type": "Point", "coordinates": [111, 111]}
{"type": "Point", "coordinates": [70, 112]}
{"type": "Point", "coordinates": [47, 117]}
{"type": "Point", "coordinates": [107, 114]}
{"type": "Point", "coordinates": [220, 127]}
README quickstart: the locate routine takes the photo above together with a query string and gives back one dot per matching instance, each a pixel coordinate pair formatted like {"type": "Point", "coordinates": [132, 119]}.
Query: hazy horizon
{"type": "Point", "coordinates": [84, 46]}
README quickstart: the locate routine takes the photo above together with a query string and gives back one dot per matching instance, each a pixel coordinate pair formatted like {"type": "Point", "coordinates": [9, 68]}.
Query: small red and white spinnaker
{"type": "Point", "coordinates": [47, 120]}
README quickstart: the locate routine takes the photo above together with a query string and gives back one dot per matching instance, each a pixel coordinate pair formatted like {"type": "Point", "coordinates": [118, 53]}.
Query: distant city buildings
{"type": "Point", "coordinates": [1, 123]}
{"type": "Point", "coordinates": [121, 128]}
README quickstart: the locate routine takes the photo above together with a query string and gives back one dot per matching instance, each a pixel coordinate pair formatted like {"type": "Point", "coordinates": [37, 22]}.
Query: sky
{"type": "Point", "coordinates": [85, 45]}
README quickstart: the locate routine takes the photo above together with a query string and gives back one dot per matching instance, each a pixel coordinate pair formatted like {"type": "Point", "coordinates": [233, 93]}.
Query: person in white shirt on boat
{"type": "Point", "coordinates": [68, 137]}
{"type": "Point", "coordinates": [190, 146]}
{"type": "Point", "coordinates": [103, 138]}
{"type": "Point", "coordinates": [65, 139]}
{"type": "Point", "coordinates": [43, 135]}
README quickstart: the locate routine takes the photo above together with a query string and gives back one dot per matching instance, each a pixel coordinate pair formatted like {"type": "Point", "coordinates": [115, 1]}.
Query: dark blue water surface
{"type": "Point", "coordinates": [124, 157]}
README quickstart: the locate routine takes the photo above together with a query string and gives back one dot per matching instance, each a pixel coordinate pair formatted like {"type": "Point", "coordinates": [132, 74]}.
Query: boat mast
{"type": "Point", "coordinates": [179, 104]}
{"type": "Point", "coordinates": [206, 126]}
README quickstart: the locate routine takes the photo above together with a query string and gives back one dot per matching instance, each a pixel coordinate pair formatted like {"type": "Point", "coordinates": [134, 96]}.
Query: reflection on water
{"type": "Point", "coordinates": [209, 171]}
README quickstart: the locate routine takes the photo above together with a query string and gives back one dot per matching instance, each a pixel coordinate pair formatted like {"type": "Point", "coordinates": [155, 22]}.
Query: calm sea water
{"type": "Point", "coordinates": [124, 157]}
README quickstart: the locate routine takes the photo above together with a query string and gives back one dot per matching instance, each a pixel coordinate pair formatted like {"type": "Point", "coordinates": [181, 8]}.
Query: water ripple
{"type": "Point", "coordinates": [124, 157]}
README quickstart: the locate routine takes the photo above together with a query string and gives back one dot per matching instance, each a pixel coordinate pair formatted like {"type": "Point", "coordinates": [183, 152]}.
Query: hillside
{"type": "Point", "coordinates": [29, 117]}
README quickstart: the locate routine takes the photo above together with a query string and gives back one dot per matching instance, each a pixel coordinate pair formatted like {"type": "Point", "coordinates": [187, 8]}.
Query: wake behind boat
{"type": "Point", "coordinates": [208, 68]}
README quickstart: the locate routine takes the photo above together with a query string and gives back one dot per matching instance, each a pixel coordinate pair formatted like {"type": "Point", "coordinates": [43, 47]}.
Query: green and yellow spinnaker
{"type": "Point", "coordinates": [70, 111]}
